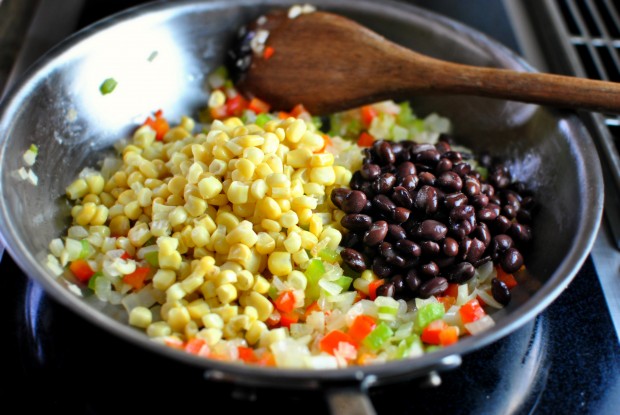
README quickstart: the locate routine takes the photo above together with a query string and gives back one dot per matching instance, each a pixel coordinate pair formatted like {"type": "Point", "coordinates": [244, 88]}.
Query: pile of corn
{"type": "Point", "coordinates": [220, 213]}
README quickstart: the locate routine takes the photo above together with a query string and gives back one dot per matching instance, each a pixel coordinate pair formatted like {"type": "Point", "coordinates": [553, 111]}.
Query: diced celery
{"type": "Point", "coordinates": [314, 272]}
{"type": "Point", "coordinates": [331, 288]}
{"type": "Point", "coordinates": [378, 336]}
{"type": "Point", "coordinates": [387, 308]}
{"type": "Point", "coordinates": [87, 249]}
{"type": "Point", "coordinates": [344, 282]}
{"type": "Point", "coordinates": [34, 148]}
{"type": "Point", "coordinates": [427, 314]}
{"type": "Point", "coordinates": [405, 116]}
{"type": "Point", "coordinates": [329, 255]}
{"type": "Point", "coordinates": [317, 121]}
{"type": "Point", "coordinates": [108, 86]}
{"type": "Point", "coordinates": [273, 292]}
{"type": "Point", "coordinates": [400, 133]}
{"type": "Point", "coordinates": [152, 258]}
{"type": "Point", "coordinates": [93, 279]}
{"type": "Point", "coordinates": [261, 119]}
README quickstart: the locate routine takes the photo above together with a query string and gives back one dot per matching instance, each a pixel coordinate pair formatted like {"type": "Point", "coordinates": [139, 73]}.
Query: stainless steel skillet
{"type": "Point", "coordinates": [160, 53]}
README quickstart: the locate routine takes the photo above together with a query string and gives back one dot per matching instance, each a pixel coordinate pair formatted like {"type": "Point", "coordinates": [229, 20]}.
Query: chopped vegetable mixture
{"type": "Point", "coordinates": [225, 241]}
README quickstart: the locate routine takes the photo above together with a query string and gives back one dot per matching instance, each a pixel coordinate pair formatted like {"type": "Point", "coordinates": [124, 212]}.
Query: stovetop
{"type": "Point", "coordinates": [567, 360]}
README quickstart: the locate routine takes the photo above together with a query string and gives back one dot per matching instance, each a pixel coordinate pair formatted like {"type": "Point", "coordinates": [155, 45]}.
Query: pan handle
{"type": "Point", "coordinates": [349, 401]}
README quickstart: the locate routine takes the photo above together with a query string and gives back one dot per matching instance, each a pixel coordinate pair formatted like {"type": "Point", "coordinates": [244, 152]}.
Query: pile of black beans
{"type": "Point", "coordinates": [421, 217]}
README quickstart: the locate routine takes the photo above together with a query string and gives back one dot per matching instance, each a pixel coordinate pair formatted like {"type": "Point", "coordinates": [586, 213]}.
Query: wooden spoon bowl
{"type": "Point", "coordinates": [330, 63]}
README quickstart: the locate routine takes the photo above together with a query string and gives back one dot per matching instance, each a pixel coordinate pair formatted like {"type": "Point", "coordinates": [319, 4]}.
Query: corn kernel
{"type": "Point", "coordinates": [271, 225]}
{"type": "Point", "coordinates": [279, 263]}
{"type": "Point", "coordinates": [178, 317]}
{"type": "Point", "coordinates": [292, 243]}
{"type": "Point", "coordinates": [211, 336]}
{"type": "Point", "coordinates": [301, 257]}
{"type": "Point", "coordinates": [298, 158]}
{"type": "Point", "coordinates": [77, 189]}
{"type": "Point", "coordinates": [255, 332]}
{"type": "Point", "coordinates": [263, 306]}
{"type": "Point", "coordinates": [297, 280]}
{"type": "Point", "coordinates": [322, 160]}
{"type": "Point", "coordinates": [261, 285]}
{"type": "Point", "coordinates": [159, 329]}
{"type": "Point", "coordinates": [163, 279]}
{"type": "Point", "coordinates": [245, 280]}
{"type": "Point", "coordinates": [140, 317]}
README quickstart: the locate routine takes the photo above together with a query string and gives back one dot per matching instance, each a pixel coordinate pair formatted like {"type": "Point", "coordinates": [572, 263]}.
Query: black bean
{"type": "Point", "coordinates": [409, 182]}
{"type": "Point", "coordinates": [501, 224]}
{"type": "Point", "coordinates": [408, 247]}
{"type": "Point", "coordinates": [487, 189]}
{"type": "Point", "coordinates": [444, 164]}
{"type": "Point", "coordinates": [399, 283]}
{"type": "Point", "coordinates": [402, 197]}
{"type": "Point", "coordinates": [381, 268]}
{"type": "Point", "coordinates": [509, 211]}
{"type": "Point", "coordinates": [471, 187]}
{"type": "Point", "coordinates": [449, 181]}
{"type": "Point", "coordinates": [432, 230]}
{"type": "Point", "coordinates": [453, 200]}
{"type": "Point", "coordinates": [386, 290]}
{"type": "Point", "coordinates": [384, 183]}
{"type": "Point", "coordinates": [450, 247]}
{"type": "Point", "coordinates": [398, 261]}
{"type": "Point", "coordinates": [350, 239]}
{"type": "Point", "coordinates": [427, 178]}
{"type": "Point", "coordinates": [475, 250]}
{"type": "Point", "coordinates": [426, 200]}
{"type": "Point", "coordinates": [430, 269]}
{"type": "Point", "coordinates": [401, 215]}
{"type": "Point", "coordinates": [399, 152]}
{"type": "Point", "coordinates": [353, 259]}
{"type": "Point", "coordinates": [386, 154]}
{"type": "Point", "coordinates": [461, 273]}
{"type": "Point", "coordinates": [435, 286]}
{"type": "Point", "coordinates": [499, 244]}
{"type": "Point", "coordinates": [384, 204]}
{"type": "Point", "coordinates": [482, 233]}
{"type": "Point", "coordinates": [511, 260]}
{"type": "Point", "coordinates": [338, 195]}
{"type": "Point", "coordinates": [356, 181]}
{"type": "Point", "coordinates": [405, 169]}
{"type": "Point", "coordinates": [370, 171]}
{"type": "Point", "coordinates": [499, 179]}
{"type": "Point", "coordinates": [500, 291]}
{"type": "Point", "coordinates": [429, 157]}
{"type": "Point", "coordinates": [462, 169]}
{"type": "Point", "coordinates": [356, 222]}
{"type": "Point", "coordinates": [479, 201]}
{"type": "Point", "coordinates": [494, 207]}
{"type": "Point", "coordinates": [461, 229]}
{"type": "Point", "coordinates": [396, 232]}
{"type": "Point", "coordinates": [376, 234]}
{"type": "Point", "coordinates": [430, 248]}
{"type": "Point", "coordinates": [413, 281]}
{"type": "Point", "coordinates": [486, 215]}
{"type": "Point", "coordinates": [520, 232]}
{"type": "Point", "coordinates": [354, 202]}
{"type": "Point", "coordinates": [463, 212]}
{"type": "Point", "coordinates": [444, 261]}
{"type": "Point", "coordinates": [482, 261]}
{"type": "Point", "coordinates": [386, 249]}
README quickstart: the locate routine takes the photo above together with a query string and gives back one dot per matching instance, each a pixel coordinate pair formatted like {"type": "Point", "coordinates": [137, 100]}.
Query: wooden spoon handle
{"type": "Point", "coordinates": [539, 88]}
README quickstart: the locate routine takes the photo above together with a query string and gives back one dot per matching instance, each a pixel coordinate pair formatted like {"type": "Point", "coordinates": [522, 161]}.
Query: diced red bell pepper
{"type": "Point", "coordinates": [286, 319]}
{"type": "Point", "coordinates": [285, 301]}
{"type": "Point", "coordinates": [81, 270]}
{"type": "Point", "coordinates": [268, 52]}
{"type": "Point", "coordinates": [508, 279]}
{"type": "Point", "coordinates": [471, 311]}
{"type": "Point", "coordinates": [236, 105]}
{"type": "Point", "coordinates": [447, 301]}
{"type": "Point", "coordinates": [247, 354]}
{"type": "Point", "coordinates": [314, 306]}
{"type": "Point", "coordinates": [258, 106]}
{"type": "Point", "coordinates": [361, 327]}
{"type": "Point", "coordinates": [299, 110]}
{"type": "Point", "coordinates": [452, 291]}
{"type": "Point", "coordinates": [449, 335]}
{"type": "Point", "coordinates": [365, 140]}
{"type": "Point", "coordinates": [159, 124]}
{"type": "Point", "coordinates": [368, 114]}
{"type": "Point", "coordinates": [198, 347]}
{"type": "Point", "coordinates": [330, 342]}
{"type": "Point", "coordinates": [372, 288]}
{"type": "Point", "coordinates": [439, 332]}
{"type": "Point", "coordinates": [274, 319]}
{"type": "Point", "coordinates": [136, 278]}
{"type": "Point", "coordinates": [267, 359]}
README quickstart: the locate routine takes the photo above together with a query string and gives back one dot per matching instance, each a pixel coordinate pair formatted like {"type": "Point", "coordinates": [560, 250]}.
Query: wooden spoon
{"type": "Point", "coordinates": [330, 63]}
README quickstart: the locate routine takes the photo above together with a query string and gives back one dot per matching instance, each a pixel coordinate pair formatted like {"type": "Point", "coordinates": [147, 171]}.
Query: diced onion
{"type": "Point", "coordinates": [478, 326]}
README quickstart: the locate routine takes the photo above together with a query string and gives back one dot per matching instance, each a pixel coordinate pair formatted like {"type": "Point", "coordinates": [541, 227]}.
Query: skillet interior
{"type": "Point", "coordinates": [58, 106]}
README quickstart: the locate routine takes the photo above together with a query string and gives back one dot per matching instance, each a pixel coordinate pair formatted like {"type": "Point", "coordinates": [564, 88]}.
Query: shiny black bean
{"type": "Point", "coordinates": [475, 251]}
{"type": "Point", "coordinates": [453, 200]}
{"type": "Point", "coordinates": [494, 207]}
{"type": "Point", "coordinates": [386, 154]}
{"type": "Point", "coordinates": [501, 224]}
{"type": "Point", "coordinates": [435, 286]}
{"type": "Point", "coordinates": [429, 270]}
{"type": "Point", "coordinates": [450, 181]}
{"type": "Point", "coordinates": [386, 250]}
{"type": "Point", "coordinates": [486, 215]}
{"type": "Point", "coordinates": [430, 248]}
{"type": "Point", "coordinates": [356, 181]}
{"type": "Point", "coordinates": [464, 212]}
{"type": "Point", "coordinates": [500, 291]}
{"type": "Point", "coordinates": [461, 273]}
{"type": "Point", "coordinates": [376, 234]}
{"type": "Point", "coordinates": [370, 171]}
{"type": "Point", "coordinates": [442, 145]}
{"type": "Point", "coordinates": [409, 182]}
{"type": "Point", "coordinates": [384, 183]}
{"type": "Point", "coordinates": [408, 247]}
{"type": "Point", "coordinates": [500, 244]}
{"type": "Point", "coordinates": [429, 157]}
{"type": "Point", "coordinates": [462, 169]}
{"type": "Point", "coordinates": [450, 247]}
{"type": "Point", "coordinates": [338, 195]}
{"type": "Point", "coordinates": [482, 261]}
{"type": "Point", "coordinates": [413, 281]}
{"type": "Point", "coordinates": [401, 215]}
{"type": "Point", "coordinates": [427, 178]}
{"type": "Point", "coordinates": [444, 262]}
{"type": "Point", "coordinates": [399, 152]}
{"type": "Point", "coordinates": [509, 211]}
{"type": "Point", "coordinates": [354, 202]}
{"type": "Point", "coordinates": [444, 164]}
{"type": "Point", "coordinates": [520, 232]}
{"type": "Point", "coordinates": [381, 268]}
{"type": "Point", "coordinates": [479, 201]}
{"type": "Point", "coordinates": [471, 187]}
{"type": "Point", "coordinates": [499, 179]}
{"type": "Point", "coordinates": [454, 156]}
{"type": "Point", "coordinates": [353, 259]}
{"type": "Point", "coordinates": [396, 232]}
{"type": "Point", "coordinates": [402, 197]}
{"type": "Point", "coordinates": [398, 261]}
{"type": "Point", "coordinates": [432, 230]}
{"type": "Point", "coordinates": [495, 199]}
{"type": "Point", "coordinates": [512, 198]}
{"type": "Point", "coordinates": [524, 216]}
{"type": "Point", "coordinates": [386, 290]}
{"type": "Point", "coordinates": [356, 222]}
{"type": "Point", "coordinates": [399, 283]}
{"type": "Point", "coordinates": [426, 200]}
{"type": "Point", "coordinates": [511, 260]}
{"type": "Point", "coordinates": [405, 169]}
{"type": "Point", "coordinates": [461, 229]}
{"type": "Point", "coordinates": [482, 233]}
{"type": "Point", "coordinates": [350, 239]}
{"type": "Point", "coordinates": [383, 204]}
